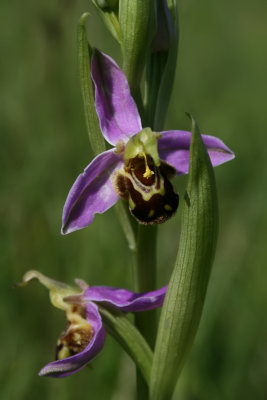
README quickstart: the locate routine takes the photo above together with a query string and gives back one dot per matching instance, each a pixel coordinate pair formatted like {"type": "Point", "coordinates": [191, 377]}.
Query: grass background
{"type": "Point", "coordinates": [221, 79]}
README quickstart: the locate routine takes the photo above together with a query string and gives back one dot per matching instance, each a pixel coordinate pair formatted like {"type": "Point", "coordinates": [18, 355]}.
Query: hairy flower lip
{"type": "Point", "coordinates": [93, 192]}
{"type": "Point", "coordinates": [64, 296]}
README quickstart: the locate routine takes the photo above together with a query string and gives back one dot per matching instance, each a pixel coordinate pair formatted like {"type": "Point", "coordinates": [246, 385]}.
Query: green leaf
{"type": "Point", "coordinates": [125, 333]}
{"type": "Point", "coordinates": [84, 58]}
{"type": "Point", "coordinates": [188, 284]}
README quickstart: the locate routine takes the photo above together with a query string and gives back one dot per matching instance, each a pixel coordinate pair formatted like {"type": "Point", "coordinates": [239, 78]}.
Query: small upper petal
{"type": "Point", "coordinates": [174, 149]}
{"type": "Point", "coordinates": [117, 112]}
{"type": "Point", "coordinates": [126, 300]}
{"type": "Point", "coordinates": [69, 365]}
{"type": "Point", "coordinates": [91, 193]}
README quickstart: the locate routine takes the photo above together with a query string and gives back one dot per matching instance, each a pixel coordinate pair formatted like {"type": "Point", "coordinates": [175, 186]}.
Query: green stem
{"type": "Point", "coordinates": [146, 258]}
{"type": "Point", "coordinates": [138, 25]}
{"type": "Point", "coordinates": [127, 224]}
{"type": "Point", "coordinates": [145, 280]}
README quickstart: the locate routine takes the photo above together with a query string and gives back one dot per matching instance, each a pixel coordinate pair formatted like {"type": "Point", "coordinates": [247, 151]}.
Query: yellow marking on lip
{"type": "Point", "coordinates": [152, 190]}
{"type": "Point", "coordinates": [167, 207]}
{"type": "Point", "coordinates": [63, 353]}
{"type": "Point", "coordinates": [148, 173]}
{"type": "Point", "coordinates": [150, 214]}
{"type": "Point", "coordinates": [131, 203]}
{"type": "Point", "coordinates": [77, 337]}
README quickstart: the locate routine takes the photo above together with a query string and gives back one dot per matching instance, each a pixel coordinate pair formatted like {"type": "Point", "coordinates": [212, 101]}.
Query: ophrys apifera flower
{"type": "Point", "coordinates": [141, 163]}
{"type": "Point", "coordinates": [84, 336]}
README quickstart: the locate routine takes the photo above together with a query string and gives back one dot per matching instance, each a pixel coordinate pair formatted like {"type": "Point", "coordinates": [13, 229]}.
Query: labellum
{"type": "Point", "coordinates": [147, 188]}
{"type": "Point", "coordinates": [76, 336]}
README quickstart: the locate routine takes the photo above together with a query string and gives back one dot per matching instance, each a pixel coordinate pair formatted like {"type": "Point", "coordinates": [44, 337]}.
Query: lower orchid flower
{"type": "Point", "coordinates": [139, 166]}
{"type": "Point", "coordinates": [84, 336]}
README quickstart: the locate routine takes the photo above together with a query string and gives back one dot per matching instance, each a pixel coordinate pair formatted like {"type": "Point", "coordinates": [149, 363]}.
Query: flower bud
{"type": "Point", "coordinates": [108, 10]}
{"type": "Point", "coordinates": [111, 4]}
{"type": "Point", "coordinates": [164, 32]}
{"type": "Point", "coordinates": [138, 24]}
{"type": "Point", "coordinates": [161, 64]}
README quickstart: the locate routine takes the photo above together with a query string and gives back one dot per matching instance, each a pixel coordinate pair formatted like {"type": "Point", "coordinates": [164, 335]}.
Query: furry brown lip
{"type": "Point", "coordinates": [151, 199]}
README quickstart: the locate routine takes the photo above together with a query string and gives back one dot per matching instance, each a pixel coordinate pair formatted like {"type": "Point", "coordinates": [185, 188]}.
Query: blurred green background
{"type": "Point", "coordinates": [221, 79]}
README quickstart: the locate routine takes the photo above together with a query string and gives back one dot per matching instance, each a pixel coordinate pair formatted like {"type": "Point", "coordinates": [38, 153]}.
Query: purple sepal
{"type": "Point", "coordinates": [174, 149]}
{"type": "Point", "coordinates": [72, 364]}
{"type": "Point", "coordinates": [125, 300]}
{"type": "Point", "coordinates": [117, 112]}
{"type": "Point", "coordinates": [91, 193]}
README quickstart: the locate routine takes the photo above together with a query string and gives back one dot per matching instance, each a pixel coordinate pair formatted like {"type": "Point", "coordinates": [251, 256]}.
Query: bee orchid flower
{"type": "Point", "coordinates": [84, 336]}
{"type": "Point", "coordinates": [141, 163]}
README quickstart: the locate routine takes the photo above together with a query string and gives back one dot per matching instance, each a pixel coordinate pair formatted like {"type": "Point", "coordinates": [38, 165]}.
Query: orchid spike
{"type": "Point", "coordinates": [84, 336]}
{"type": "Point", "coordinates": [140, 164]}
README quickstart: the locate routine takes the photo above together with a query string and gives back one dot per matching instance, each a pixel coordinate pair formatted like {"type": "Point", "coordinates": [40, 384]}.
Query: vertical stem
{"type": "Point", "coordinates": [145, 280]}
{"type": "Point", "coordinates": [128, 225]}
{"type": "Point", "coordinates": [145, 255]}
{"type": "Point", "coordinates": [138, 24]}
